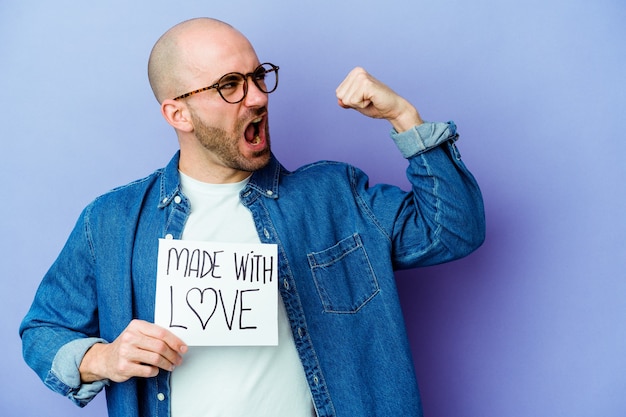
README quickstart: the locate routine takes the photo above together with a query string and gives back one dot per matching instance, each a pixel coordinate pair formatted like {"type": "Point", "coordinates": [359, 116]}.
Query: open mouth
{"type": "Point", "coordinates": [254, 133]}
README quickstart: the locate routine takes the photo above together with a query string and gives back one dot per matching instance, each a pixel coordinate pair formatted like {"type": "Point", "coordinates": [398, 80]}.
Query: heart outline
{"type": "Point", "coordinates": [203, 323]}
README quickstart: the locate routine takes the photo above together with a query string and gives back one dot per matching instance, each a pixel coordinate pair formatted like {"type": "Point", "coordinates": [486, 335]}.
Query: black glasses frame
{"type": "Point", "coordinates": [258, 71]}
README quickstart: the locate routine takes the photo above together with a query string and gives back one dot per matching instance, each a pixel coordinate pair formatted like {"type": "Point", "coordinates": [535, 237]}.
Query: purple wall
{"type": "Point", "coordinates": [533, 324]}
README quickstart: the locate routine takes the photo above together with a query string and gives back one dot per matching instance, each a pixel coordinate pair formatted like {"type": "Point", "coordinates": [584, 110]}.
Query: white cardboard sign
{"type": "Point", "coordinates": [218, 294]}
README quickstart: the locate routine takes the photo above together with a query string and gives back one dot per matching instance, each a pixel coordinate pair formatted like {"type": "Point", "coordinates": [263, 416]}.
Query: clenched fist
{"type": "Point", "coordinates": [364, 93]}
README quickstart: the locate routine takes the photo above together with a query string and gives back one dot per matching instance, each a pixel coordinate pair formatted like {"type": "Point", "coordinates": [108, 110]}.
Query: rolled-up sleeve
{"type": "Point", "coordinates": [64, 376]}
{"type": "Point", "coordinates": [421, 138]}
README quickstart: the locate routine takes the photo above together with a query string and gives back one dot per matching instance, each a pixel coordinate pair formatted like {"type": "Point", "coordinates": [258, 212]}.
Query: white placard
{"type": "Point", "coordinates": [218, 294]}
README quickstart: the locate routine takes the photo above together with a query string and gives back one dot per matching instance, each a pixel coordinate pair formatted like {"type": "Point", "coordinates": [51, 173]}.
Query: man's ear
{"type": "Point", "coordinates": [177, 115]}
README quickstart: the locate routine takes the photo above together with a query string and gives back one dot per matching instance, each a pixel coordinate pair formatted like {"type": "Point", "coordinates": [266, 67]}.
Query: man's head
{"type": "Point", "coordinates": [220, 141]}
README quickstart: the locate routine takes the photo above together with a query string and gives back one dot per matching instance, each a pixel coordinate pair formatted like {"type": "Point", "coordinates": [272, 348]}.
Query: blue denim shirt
{"type": "Point", "coordinates": [339, 242]}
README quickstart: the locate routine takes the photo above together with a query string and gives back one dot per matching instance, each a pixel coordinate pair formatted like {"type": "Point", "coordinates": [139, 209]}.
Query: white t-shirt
{"type": "Point", "coordinates": [242, 380]}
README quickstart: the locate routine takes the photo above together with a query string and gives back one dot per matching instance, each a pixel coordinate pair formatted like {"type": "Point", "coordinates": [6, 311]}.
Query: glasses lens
{"type": "Point", "coordinates": [231, 87]}
{"type": "Point", "coordinates": [266, 78]}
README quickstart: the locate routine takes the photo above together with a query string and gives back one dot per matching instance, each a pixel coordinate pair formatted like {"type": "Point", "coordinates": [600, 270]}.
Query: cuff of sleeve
{"type": "Point", "coordinates": [421, 138]}
{"type": "Point", "coordinates": [65, 374]}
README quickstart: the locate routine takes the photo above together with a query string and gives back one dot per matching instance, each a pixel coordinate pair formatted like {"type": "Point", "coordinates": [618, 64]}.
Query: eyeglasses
{"type": "Point", "coordinates": [233, 87]}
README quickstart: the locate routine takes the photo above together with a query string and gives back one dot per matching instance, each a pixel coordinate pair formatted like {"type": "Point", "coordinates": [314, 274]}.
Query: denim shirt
{"type": "Point", "coordinates": [339, 242]}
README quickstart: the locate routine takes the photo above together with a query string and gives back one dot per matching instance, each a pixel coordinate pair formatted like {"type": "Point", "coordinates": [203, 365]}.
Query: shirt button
{"type": "Point", "coordinates": [316, 380]}
{"type": "Point", "coordinates": [169, 236]}
{"type": "Point", "coordinates": [269, 192]}
{"type": "Point", "coordinates": [177, 199]}
{"type": "Point", "coordinates": [286, 284]}
{"type": "Point", "coordinates": [266, 233]}
{"type": "Point", "coordinates": [300, 332]}
{"type": "Point", "coordinates": [160, 396]}
{"type": "Point", "coordinates": [164, 200]}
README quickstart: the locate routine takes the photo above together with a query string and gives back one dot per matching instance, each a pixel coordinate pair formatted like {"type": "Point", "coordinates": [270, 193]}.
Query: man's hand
{"type": "Point", "coordinates": [139, 351]}
{"type": "Point", "coordinates": [364, 93]}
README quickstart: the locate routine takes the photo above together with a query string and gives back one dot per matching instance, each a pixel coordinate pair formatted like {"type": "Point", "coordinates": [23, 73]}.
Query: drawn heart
{"type": "Point", "coordinates": [201, 306]}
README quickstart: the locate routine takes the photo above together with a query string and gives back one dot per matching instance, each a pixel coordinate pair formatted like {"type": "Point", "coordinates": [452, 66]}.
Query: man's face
{"type": "Point", "coordinates": [234, 136]}
{"type": "Point", "coordinates": [244, 145]}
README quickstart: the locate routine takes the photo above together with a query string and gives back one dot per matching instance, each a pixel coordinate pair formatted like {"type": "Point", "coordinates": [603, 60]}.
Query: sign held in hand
{"type": "Point", "coordinates": [218, 294]}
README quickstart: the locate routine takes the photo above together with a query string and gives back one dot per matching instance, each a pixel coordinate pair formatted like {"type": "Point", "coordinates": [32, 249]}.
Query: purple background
{"type": "Point", "coordinates": [532, 324]}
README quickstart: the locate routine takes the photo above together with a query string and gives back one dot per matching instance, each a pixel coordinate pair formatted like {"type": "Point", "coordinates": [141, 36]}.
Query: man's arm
{"type": "Point", "coordinates": [442, 219]}
{"type": "Point", "coordinates": [61, 334]}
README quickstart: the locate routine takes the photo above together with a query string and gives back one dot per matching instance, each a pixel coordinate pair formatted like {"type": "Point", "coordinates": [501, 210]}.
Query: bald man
{"type": "Point", "coordinates": [342, 347]}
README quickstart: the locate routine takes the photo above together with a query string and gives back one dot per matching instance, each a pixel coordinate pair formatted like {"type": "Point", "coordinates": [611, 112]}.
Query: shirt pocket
{"type": "Point", "coordinates": [343, 275]}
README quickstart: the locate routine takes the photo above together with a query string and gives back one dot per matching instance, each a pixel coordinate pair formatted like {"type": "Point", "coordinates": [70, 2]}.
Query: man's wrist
{"type": "Point", "coordinates": [88, 368]}
{"type": "Point", "coordinates": [407, 119]}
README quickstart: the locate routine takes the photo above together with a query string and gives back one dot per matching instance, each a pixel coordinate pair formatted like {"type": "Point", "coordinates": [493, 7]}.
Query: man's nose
{"type": "Point", "coordinates": [255, 97]}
